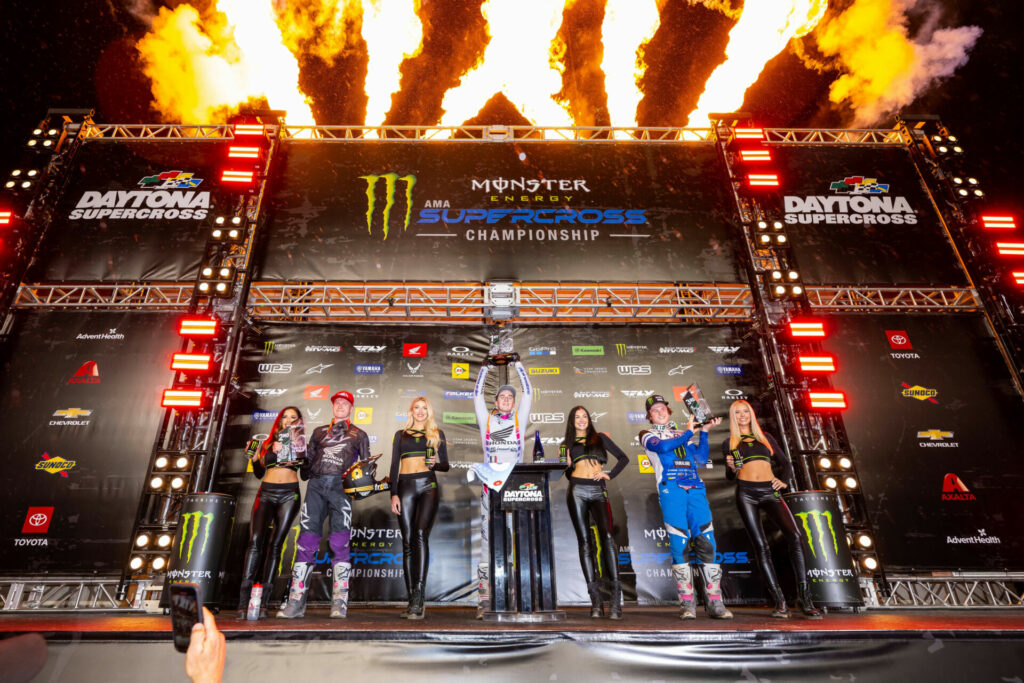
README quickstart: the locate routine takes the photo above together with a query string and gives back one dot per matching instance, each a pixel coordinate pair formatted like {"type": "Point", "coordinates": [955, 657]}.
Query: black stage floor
{"type": "Point", "coordinates": [650, 644]}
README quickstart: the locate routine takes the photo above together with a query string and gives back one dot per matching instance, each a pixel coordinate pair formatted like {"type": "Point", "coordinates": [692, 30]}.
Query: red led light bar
{"type": "Point", "coordinates": [817, 364]}
{"type": "Point", "coordinates": [752, 155]}
{"type": "Point", "coordinates": [763, 179]}
{"type": "Point", "coordinates": [191, 361]}
{"type": "Point", "coordinates": [5, 217]}
{"type": "Point", "coordinates": [1010, 248]}
{"type": "Point", "coordinates": [1018, 277]}
{"type": "Point", "coordinates": [182, 398]}
{"type": "Point", "coordinates": [750, 134]}
{"type": "Point", "coordinates": [248, 129]}
{"type": "Point", "coordinates": [240, 177]}
{"type": "Point", "coordinates": [198, 327]}
{"type": "Point", "coordinates": [998, 222]}
{"type": "Point", "coordinates": [827, 399]}
{"type": "Point", "coordinates": [238, 152]}
{"type": "Point", "coordinates": [807, 329]}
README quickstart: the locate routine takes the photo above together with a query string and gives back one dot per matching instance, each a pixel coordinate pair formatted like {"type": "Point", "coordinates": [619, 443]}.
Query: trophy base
{"type": "Point", "coordinates": [525, 617]}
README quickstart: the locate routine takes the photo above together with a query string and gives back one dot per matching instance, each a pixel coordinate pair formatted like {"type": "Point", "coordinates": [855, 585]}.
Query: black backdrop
{"type": "Point", "coordinates": [300, 361]}
{"type": "Point", "coordinates": [907, 445]}
{"type": "Point", "coordinates": [321, 226]}
{"type": "Point", "coordinates": [83, 389]}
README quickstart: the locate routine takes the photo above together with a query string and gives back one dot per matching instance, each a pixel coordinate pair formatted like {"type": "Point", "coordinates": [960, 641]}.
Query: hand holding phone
{"type": "Point", "coordinates": [204, 661]}
{"type": "Point", "coordinates": [186, 604]}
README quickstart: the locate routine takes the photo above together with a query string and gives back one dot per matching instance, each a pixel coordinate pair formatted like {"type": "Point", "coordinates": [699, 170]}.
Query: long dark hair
{"type": "Point", "coordinates": [592, 441]}
{"type": "Point", "coordinates": [275, 428]}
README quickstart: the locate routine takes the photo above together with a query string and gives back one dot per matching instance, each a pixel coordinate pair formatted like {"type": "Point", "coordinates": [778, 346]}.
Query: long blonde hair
{"type": "Point", "coordinates": [734, 427]}
{"type": "Point", "coordinates": [429, 426]}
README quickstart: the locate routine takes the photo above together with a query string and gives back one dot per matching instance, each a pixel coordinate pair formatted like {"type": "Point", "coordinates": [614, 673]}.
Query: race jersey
{"type": "Point", "coordinates": [674, 458]}
{"type": "Point", "coordinates": [502, 435]}
{"type": "Point", "coordinates": [334, 447]}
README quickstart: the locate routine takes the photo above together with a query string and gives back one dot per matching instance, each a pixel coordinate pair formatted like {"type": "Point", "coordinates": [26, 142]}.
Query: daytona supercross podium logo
{"type": "Point", "coordinates": [856, 200]}
{"type": "Point", "coordinates": [167, 195]}
{"type": "Point", "coordinates": [391, 181]}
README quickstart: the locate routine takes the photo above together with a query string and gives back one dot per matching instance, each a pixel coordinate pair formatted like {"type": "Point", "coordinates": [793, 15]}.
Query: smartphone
{"type": "Point", "coordinates": [186, 612]}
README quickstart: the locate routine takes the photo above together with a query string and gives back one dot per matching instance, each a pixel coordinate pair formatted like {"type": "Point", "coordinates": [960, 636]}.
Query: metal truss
{"type": "Point", "coordinates": [149, 296]}
{"type": "Point", "coordinates": [497, 133]}
{"type": "Point", "coordinates": [69, 594]}
{"type": "Point", "coordinates": [852, 298]}
{"type": "Point", "coordinates": [983, 591]}
{"type": "Point", "coordinates": [841, 136]}
{"type": "Point", "coordinates": [167, 131]}
{"type": "Point", "coordinates": [463, 303]}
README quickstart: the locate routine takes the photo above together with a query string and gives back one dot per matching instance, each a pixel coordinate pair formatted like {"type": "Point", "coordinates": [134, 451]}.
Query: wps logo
{"type": "Point", "coordinates": [919, 392]}
{"type": "Point", "coordinates": [634, 370]}
{"type": "Point", "coordinates": [953, 488]}
{"type": "Point", "coordinates": [858, 184]}
{"type": "Point", "coordinates": [821, 520]}
{"type": "Point", "coordinates": [170, 180]}
{"type": "Point", "coordinates": [188, 535]}
{"type": "Point", "coordinates": [414, 350]}
{"type": "Point", "coordinates": [37, 520]}
{"type": "Point", "coordinates": [391, 181]}
{"type": "Point", "coordinates": [88, 373]}
{"type": "Point", "coordinates": [547, 418]}
{"type": "Point", "coordinates": [274, 368]}
{"type": "Point", "coordinates": [898, 339]}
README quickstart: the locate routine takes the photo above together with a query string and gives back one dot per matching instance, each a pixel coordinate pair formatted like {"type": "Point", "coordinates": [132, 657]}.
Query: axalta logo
{"type": "Point", "coordinates": [857, 200]}
{"type": "Point", "coordinates": [588, 350]}
{"type": "Point", "coordinates": [954, 488]}
{"type": "Point", "coordinates": [458, 418]}
{"type": "Point", "coordinates": [369, 349]}
{"type": "Point", "coordinates": [634, 370]}
{"type": "Point", "coordinates": [109, 335]}
{"type": "Point", "coordinates": [323, 349]}
{"type": "Point", "coordinates": [274, 368]}
{"type": "Point", "coordinates": [543, 371]}
{"type": "Point", "coordinates": [547, 418]}
{"type": "Point", "coordinates": [820, 519]}
{"type": "Point", "coordinates": [936, 438]}
{"type": "Point", "coordinates": [87, 373]}
{"type": "Point", "coordinates": [453, 395]}
{"type": "Point", "coordinates": [636, 393]}
{"type": "Point", "coordinates": [167, 195]}
{"type": "Point", "coordinates": [918, 392]}
{"type": "Point", "coordinates": [194, 524]}
{"type": "Point", "coordinates": [981, 538]}
{"type": "Point", "coordinates": [391, 182]}
{"type": "Point", "coordinates": [55, 465]}
{"type": "Point", "coordinates": [69, 417]}
{"type": "Point", "coordinates": [592, 394]}
{"type": "Point", "coordinates": [677, 349]}
{"type": "Point", "coordinates": [530, 185]}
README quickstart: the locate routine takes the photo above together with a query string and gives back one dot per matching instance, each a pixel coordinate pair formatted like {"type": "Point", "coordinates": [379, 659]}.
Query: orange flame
{"type": "Point", "coordinates": [390, 37]}
{"type": "Point", "coordinates": [765, 27]}
{"type": "Point", "coordinates": [628, 26]}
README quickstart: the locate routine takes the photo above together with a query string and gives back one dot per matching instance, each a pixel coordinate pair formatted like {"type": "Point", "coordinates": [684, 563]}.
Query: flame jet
{"type": "Point", "coordinates": [513, 65]}
{"type": "Point", "coordinates": [628, 26]}
{"type": "Point", "coordinates": [390, 37]}
{"type": "Point", "coordinates": [763, 30]}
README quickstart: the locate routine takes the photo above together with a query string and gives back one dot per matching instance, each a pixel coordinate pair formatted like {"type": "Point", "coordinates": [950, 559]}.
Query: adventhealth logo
{"type": "Point", "coordinates": [391, 181]}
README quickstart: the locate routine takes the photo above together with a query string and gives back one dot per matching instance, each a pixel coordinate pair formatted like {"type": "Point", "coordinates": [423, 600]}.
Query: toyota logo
{"type": "Point", "coordinates": [898, 339]}
{"type": "Point", "coordinates": [37, 519]}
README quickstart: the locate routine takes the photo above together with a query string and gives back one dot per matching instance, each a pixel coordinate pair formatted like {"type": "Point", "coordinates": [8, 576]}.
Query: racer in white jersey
{"type": "Point", "coordinates": [502, 431]}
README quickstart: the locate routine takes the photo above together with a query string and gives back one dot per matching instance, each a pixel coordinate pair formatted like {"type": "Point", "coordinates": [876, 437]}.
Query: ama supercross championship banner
{"type": "Point", "coordinates": [611, 371]}
{"type": "Point", "coordinates": [137, 210]}
{"type": "Point", "coordinates": [934, 423]}
{"type": "Point", "coordinates": [861, 216]}
{"type": "Point", "coordinates": [458, 210]}
{"type": "Point", "coordinates": [79, 411]}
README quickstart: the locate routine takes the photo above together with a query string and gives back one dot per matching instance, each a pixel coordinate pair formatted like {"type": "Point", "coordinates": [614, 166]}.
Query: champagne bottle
{"type": "Point", "coordinates": [538, 447]}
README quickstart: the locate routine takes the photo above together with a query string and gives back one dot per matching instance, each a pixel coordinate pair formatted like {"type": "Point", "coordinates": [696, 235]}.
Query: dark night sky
{"type": "Point", "coordinates": [81, 55]}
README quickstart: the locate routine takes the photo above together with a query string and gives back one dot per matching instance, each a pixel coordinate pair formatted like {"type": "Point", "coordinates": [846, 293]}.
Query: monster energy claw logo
{"type": "Point", "coordinates": [817, 516]}
{"type": "Point", "coordinates": [390, 184]}
{"type": "Point", "coordinates": [195, 518]}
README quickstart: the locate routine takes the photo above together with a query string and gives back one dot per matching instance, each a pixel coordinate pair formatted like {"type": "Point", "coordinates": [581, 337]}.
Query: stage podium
{"type": "Point", "coordinates": [522, 576]}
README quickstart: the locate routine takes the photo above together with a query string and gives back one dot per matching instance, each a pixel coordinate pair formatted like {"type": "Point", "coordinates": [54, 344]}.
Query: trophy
{"type": "Point", "coordinates": [293, 445]}
{"type": "Point", "coordinates": [501, 352]}
{"type": "Point", "coordinates": [696, 405]}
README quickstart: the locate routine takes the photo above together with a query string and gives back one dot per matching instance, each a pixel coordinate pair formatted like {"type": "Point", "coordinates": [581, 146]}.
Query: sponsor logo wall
{"type": "Point", "coordinates": [934, 423]}
{"type": "Point", "coordinates": [79, 407]}
{"type": "Point", "coordinates": [615, 401]}
{"type": "Point", "coordinates": [526, 211]}
{"type": "Point", "coordinates": [137, 210]}
{"type": "Point", "coordinates": [867, 208]}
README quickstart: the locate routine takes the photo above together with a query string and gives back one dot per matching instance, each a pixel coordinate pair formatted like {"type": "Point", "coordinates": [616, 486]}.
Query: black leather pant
{"type": "Point", "coordinates": [419, 497]}
{"type": "Point", "coordinates": [586, 497]}
{"type": "Point", "coordinates": [753, 497]}
{"type": "Point", "coordinates": [277, 505]}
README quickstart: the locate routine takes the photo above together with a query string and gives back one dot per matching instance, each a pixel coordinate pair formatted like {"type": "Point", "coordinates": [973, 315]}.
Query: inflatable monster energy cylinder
{"type": "Point", "coordinates": [830, 568]}
{"type": "Point", "coordinates": [200, 545]}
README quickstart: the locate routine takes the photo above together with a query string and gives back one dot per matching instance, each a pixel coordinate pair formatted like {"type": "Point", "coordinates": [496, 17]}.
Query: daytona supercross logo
{"type": "Point", "coordinates": [858, 200]}
{"type": "Point", "coordinates": [168, 195]}
{"type": "Point", "coordinates": [391, 181]}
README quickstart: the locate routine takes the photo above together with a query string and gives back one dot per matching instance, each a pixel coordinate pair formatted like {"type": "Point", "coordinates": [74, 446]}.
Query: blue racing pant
{"type": "Point", "coordinates": [687, 517]}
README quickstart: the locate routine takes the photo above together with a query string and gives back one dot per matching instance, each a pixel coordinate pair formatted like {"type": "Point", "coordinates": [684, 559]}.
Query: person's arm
{"type": "Point", "coordinates": [258, 468]}
{"type": "Point", "coordinates": [730, 469]}
{"type": "Point", "coordinates": [441, 463]}
{"type": "Point", "coordinates": [781, 458]}
{"type": "Point", "coordinates": [659, 446]}
{"type": "Point", "coordinates": [312, 453]}
{"type": "Point", "coordinates": [526, 402]}
{"type": "Point", "coordinates": [396, 457]}
{"type": "Point", "coordinates": [702, 452]}
{"type": "Point", "coordinates": [364, 446]}
{"type": "Point", "coordinates": [620, 456]}
{"type": "Point", "coordinates": [204, 661]}
{"type": "Point", "coordinates": [479, 401]}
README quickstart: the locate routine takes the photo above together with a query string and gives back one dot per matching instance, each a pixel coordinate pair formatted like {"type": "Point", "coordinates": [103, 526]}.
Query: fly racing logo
{"type": "Point", "coordinates": [170, 180]}
{"type": "Point", "coordinates": [858, 184]}
{"type": "Point", "coordinates": [636, 393]}
{"type": "Point", "coordinates": [370, 349]}
{"type": "Point", "coordinates": [634, 370]}
{"type": "Point", "coordinates": [391, 181]}
{"type": "Point", "coordinates": [723, 349]}
{"type": "Point", "coordinates": [270, 392]}
{"type": "Point", "coordinates": [679, 370]}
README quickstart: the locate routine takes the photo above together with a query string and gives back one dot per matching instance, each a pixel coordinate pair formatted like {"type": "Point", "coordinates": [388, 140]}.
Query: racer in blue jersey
{"type": "Point", "coordinates": [684, 504]}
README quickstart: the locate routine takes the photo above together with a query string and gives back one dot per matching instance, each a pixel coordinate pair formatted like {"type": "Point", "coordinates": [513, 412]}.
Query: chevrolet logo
{"type": "Point", "coordinates": [72, 412]}
{"type": "Point", "coordinates": [934, 435]}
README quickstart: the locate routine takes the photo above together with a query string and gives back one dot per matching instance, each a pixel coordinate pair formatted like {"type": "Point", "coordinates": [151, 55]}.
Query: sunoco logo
{"type": "Point", "coordinates": [191, 522]}
{"type": "Point", "coordinates": [55, 465]}
{"type": "Point", "coordinates": [859, 202]}
{"type": "Point", "coordinates": [821, 519]}
{"type": "Point", "coordinates": [919, 392]}
{"type": "Point", "coordinates": [391, 181]}
{"type": "Point", "coordinates": [167, 195]}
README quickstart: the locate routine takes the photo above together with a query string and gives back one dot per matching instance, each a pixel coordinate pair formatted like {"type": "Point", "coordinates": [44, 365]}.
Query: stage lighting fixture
{"type": "Point", "coordinates": [135, 563]}
{"type": "Point", "coordinates": [159, 563]}
{"type": "Point", "coordinates": [237, 177]}
{"type": "Point", "coordinates": [777, 225]}
{"type": "Point", "coordinates": [957, 149]}
{"type": "Point", "coordinates": [156, 483]}
{"type": "Point", "coordinates": [972, 181]}
{"type": "Point", "coordinates": [942, 149]}
{"type": "Point", "coordinates": [142, 540]}
{"type": "Point", "coordinates": [957, 180]}
{"type": "Point", "coordinates": [824, 463]}
{"type": "Point", "coordinates": [181, 463]}
{"type": "Point", "coordinates": [817, 363]}
{"type": "Point", "coordinates": [1010, 248]}
{"type": "Point", "coordinates": [749, 133]}
{"type": "Point", "coordinates": [217, 280]}
{"type": "Point", "coordinates": [850, 482]}
{"type": "Point", "coordinates": [177, 483]}
{"type": "Point", "coordinates": [864, 541]}
{"type": "Point", "coordinates": [5, 217]}
{"type": "Point", "coordinates": [806, 329]}
{"type": "Point", "coordinates": [998, 222]}
{"type": "Point", "coordinates": [779, 290]}
{"type": "Point", "coordinates": [501, 300]}
{"type": "Point", "coordinates": [37, 131]}
{"type": "Point", "coordinates": [762, 225]}
{"type": "Point", "coordinates": [198, 327]}
{"type": "Point", "coordinates": [248, 129]}
{"type": "Point", "coordinates": [236, 220]}
{"type": "Point", "coordinates": [191, 362]}
{"type": "Point", "coordinates": [776, 274]}
{"type": "Point", "coordinates": [869, 563]}
{"type": "Point", "coordinates": [765, 239]}
{"type": "Point", "coordinates": [753, 156]}
{"type": "Point", "coordinates": [831, 483]}
{"type": "Point", "coordinates": [243, 152]}
{"type": "Point", "coordinates": [780, 239]}
{"type": "Point", "coordinates": [758, 180]}
{"type": "Point", "coordinates": [977, 193]}
{"type": "Point", "coordinates": [161, 462]}
{"type": "Point", "coordinates": [845, 463]}
{"type": "Point", "coordinates": [9, 184]}
{"type": "Point", "coordinates": [1018, 277]}
{"type": "Point", "coordinates": [182, 398]}
{"type": "Point", "coordinates": [793, 275]}
{"type": "Point", "coordinates": [164, 540]}
{"type": "Point", "coordinates": [822, 400]}
{"type": "Point", "coordinates": [796, 290]}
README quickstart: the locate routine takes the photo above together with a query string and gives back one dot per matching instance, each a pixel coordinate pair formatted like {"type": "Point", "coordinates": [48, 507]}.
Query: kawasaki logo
{"type": "Point", "coordinates": [459, 418]}
{"type": "Point", "coordinates": [858, 184]}
{"type": "Point", "coordinates": [390, 185]}
{"type": "Point", "coordinates": [818, 516]}
{"type": "Point", "coordinates": [189, 535]}
{"type": "Point", "coordinates": [588, 350]}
